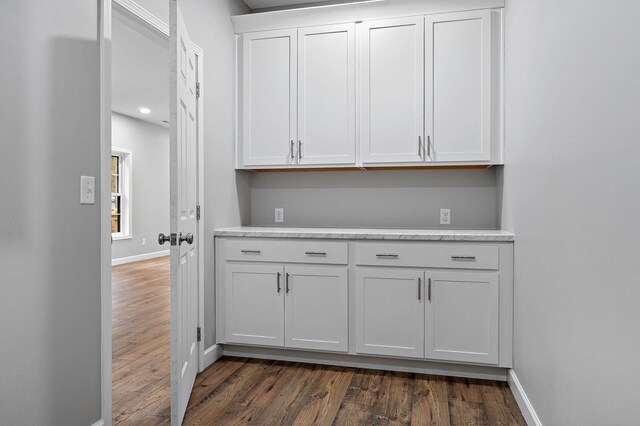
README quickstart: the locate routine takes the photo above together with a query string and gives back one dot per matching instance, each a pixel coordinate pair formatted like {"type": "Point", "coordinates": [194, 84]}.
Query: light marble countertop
{"type": "Point", "coordinates": [367, 234]}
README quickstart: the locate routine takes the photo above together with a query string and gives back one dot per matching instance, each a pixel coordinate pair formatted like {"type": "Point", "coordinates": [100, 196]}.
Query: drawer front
{"type": "Point", "coordinates": [287, 251]}
{"type": "Point", "coordinates": [428, 255]}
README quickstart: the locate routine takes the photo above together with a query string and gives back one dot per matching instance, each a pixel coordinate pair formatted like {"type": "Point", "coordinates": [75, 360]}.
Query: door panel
{"type": "Point", "coordinates": [392, 75]}
{"type": "Point", "coordinates": [390, 312]}
{"type": "Point", "coordinates": [458, 86]}
{"type": "Point", "coordinates": [254, 304]}
{"type": "Point", "coordinates": [326, 95]}
{"type": "Point", "coordinates": [269, 97]}
{"type": "Point", "coordinates": [316, 306]}
{"type": "Point", "coordinates": [183, 186]}
{"type": "Point", "coordinates": [462, 317]}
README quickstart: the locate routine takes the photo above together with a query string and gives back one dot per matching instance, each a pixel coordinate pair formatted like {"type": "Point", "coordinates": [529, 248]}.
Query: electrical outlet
{"type": "Point", "coordinates": [144, 241]}
{"type": "Point", "coordinates": [279, 215]}
{"type": "Point", "coordinates": [445, 216]}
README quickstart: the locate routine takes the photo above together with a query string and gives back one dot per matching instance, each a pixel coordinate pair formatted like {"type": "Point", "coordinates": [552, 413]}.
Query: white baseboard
{"type": "Point", "coordinates": [212, 354]}
{"type": "Point", "coordinates": [523, 401]}
{"type": "Point", "coordinates": [99, 423]}
{"type": "Point", "coordinates": [138, 258]}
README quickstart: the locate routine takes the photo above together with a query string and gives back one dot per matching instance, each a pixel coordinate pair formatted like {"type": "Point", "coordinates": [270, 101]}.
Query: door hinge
{"type": "Point", "coordinates": [199, 334]}
{"type": "Point", "coordinates": [198, 212]}
{"type": "Point", "coordinates": [197, 90]}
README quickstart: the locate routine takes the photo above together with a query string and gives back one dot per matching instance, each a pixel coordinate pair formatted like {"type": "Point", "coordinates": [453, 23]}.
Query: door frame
{"type": "Point", "coordinates": [142, 17]}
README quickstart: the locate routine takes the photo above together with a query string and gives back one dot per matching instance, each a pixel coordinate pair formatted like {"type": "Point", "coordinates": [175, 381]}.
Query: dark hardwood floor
{"type": "Point", "coordinates": [242, 391]}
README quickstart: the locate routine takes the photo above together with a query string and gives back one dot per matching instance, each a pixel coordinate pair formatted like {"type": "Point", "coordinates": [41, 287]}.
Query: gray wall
{"type": "Point", "coordinates": [49, 243]}
{"type": "Point", "coordinates": [149, 144]}
{"type": "Point", "coordinates": [397, 199]}
{"type": "Point", "coordinates": [571, 197]}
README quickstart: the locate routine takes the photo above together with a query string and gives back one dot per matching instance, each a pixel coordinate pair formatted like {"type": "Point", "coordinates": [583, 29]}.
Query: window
{"type": "Point", "coordinates": [120, 193]}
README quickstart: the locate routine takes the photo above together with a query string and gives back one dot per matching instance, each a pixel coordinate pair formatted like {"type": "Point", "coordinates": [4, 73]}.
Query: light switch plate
{"type": "Point", "coordinates": [87, 190]}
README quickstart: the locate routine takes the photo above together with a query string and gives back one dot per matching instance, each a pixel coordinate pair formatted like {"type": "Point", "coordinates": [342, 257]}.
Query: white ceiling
{"type": "Point", "coordinates": [140, 71]}
{"type": "Point", "coordinates": [262, 4]}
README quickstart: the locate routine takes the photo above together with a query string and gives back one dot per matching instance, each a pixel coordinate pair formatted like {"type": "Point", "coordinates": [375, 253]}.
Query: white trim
{"type": "Point", "coordinates": [139, 257]}
{"type": "Point", "coordinates": [371, 362]}
{"type": "Point", "coordinates": [99, 423]}
{"type": "Point", "coordinates": [211, 355]}
{"type": "Point", "coordinates": [353, 12]}
{"type": "Point", "coordinates": [104, 35]}
{"type": "Point", "coordinates": [523, 401]}
{"type": "Point", "coordinates": [137, 12]}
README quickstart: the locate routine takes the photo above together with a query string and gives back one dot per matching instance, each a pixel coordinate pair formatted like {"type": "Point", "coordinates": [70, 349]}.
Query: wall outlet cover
{"type": "Point", "coordinates": [279, 215]}
{"type": "Point", "coordinates": [445, 216]}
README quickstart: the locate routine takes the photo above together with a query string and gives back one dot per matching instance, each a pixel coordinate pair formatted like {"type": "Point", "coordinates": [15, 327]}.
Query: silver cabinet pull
{"type": "Point", "coordinates": [299, 150]}
{"type": "Point", "coordinates": [429, 290]}
{"type": "Point", "coordinates": [278, 283]}
{"type": "Point", "coordinates": [286, 285]}
{"type": "Point", "coordinates": [419, 289]}
{"type": "Point", "coordinates": [250, 251]}
{"type": "Point", "coordinates": [429, 146]}
{"type": "Point", "coordinates": [316, 253]}
{"type": "Point", "coordinates": [291, 150]}
{"type": "Point", "coordinates": [465, 258]}
{"type": "Point", "coordinates": [420, 147]}
{"type": "Point", "coordinates": [387, 256]}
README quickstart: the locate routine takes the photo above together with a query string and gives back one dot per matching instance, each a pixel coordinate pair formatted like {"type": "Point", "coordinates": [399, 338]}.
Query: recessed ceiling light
{"type": "Point", "coordinates": [145, 110]}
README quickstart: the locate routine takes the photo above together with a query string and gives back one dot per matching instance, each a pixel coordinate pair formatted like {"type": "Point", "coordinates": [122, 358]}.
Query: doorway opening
{"type": "Point", "coordinates": [141, 391]}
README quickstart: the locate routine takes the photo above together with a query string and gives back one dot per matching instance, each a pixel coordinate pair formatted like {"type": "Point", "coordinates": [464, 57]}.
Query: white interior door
{"type": "Point", "coordinates": [183, 186]}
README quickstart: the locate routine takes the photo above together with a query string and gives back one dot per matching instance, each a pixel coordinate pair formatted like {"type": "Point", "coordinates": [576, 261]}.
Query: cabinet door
{"type": "Point", "coordinates": [254, 304]}
{"type": "Point", "coordinates": [316, 306]}
{"type": "Point", "coordinates": [392, 90]}
{"type": "Point", "coordinates": [462, 317]}
{"type": "Point", "coordinates": [326, 95]}
{"type": "Point", "coordinates": [268, 97]}
{"type": "Point", "coordinates": [390, 312]}
{"type": "Point", "coordinates": [458, 86]}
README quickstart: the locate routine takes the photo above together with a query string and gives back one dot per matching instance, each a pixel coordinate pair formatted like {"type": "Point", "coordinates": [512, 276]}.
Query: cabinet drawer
{"type": "Point", "coordinates": [426, 255]}
{"type": "Point", "coordinates": [286, 251]}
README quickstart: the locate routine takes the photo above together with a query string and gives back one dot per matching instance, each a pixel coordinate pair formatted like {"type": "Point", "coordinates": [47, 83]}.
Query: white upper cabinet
{"type": "Point", "coordinates": [458, 75]}
{"type": "Point", "coordinates": [326, 95]}
{"type": "Point", "coordinates": [268, 96]}
{"type": "Point", "coordinates": [391, 90]}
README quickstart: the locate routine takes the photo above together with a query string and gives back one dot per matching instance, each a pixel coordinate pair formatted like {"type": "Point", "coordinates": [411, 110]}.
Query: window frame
{"type": "Point", "coordinates": [125, 173]}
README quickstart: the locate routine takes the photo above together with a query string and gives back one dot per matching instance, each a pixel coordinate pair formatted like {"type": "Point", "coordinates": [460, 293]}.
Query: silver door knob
{"type": "Point", "coordinates": [163, 238]}
{"type": "Point", "coordinates": [188, 238]}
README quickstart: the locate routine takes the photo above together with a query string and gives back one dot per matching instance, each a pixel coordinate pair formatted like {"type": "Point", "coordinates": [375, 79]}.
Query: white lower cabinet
{"type": "Point", "coordinates": [390, 312]}
{"type": "Point", "coordinates": [461, 322]}
{"type": "Point", "coordinates": [302, 307]}
{"type": "Point", "coordinates": [316, 306]}
{"type": "Point", "coordinates": [254, 311]}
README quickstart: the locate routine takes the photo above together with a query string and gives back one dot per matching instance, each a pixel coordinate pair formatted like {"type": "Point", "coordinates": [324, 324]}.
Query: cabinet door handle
{"type": "Point", "coordinates": [316, 253]}
{"type": "Point", "coordinates": [291, 150]}
{"type": "Point", "coordinates": [278, 283]}
{"type": "Point", "coordinates": [387, 256]}
{"type": "Point", "coordinates": [419, 289]}
{"type": "Point", "coordinates": [429, 146]}
{"type": "Point", "coordinates": [420, 147]}
{"type": "Point", "coordinates": [299, 150]}
{"type": "Point", "coordinates": [429, 290]}
{"type": "Point", "coordinates": [286, 285]}
{"type": "Point", "coordinates": [466, 258]}
{"type": "Point", "coordinates": [250, 251]}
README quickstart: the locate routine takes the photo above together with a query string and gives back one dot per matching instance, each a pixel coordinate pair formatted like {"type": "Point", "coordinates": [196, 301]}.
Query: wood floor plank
{"type": "Point", "coordinates": [239, 391]}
